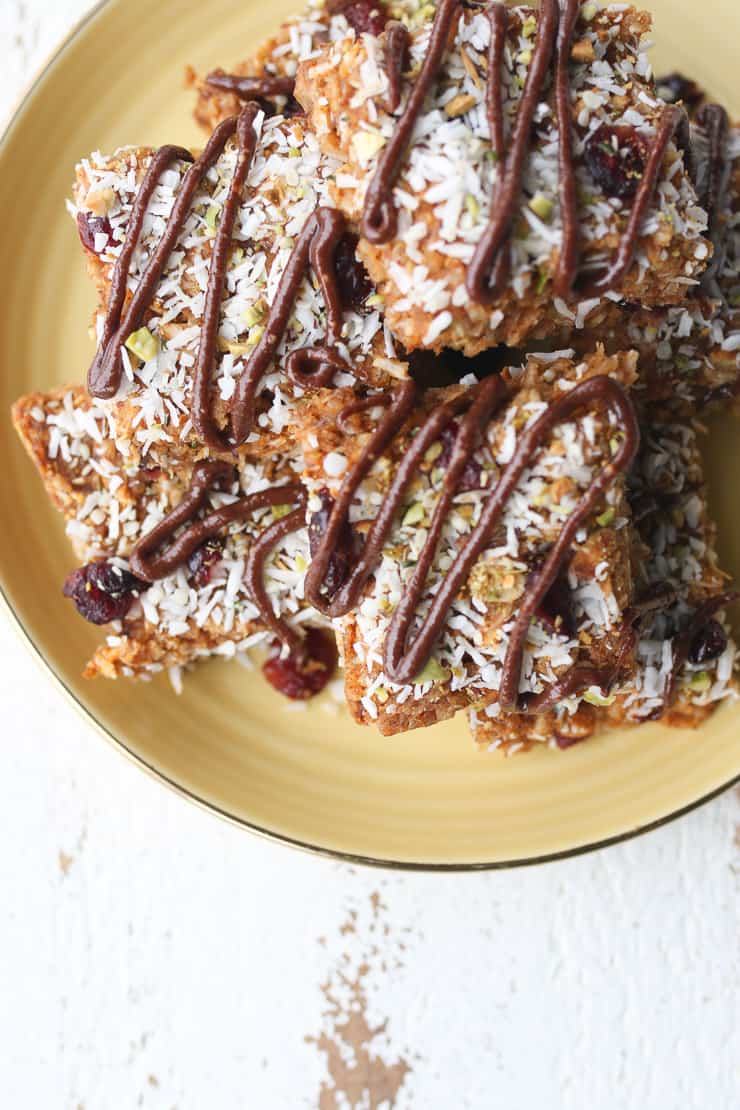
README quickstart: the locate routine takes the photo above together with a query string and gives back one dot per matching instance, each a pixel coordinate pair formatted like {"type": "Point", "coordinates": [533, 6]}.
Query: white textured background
{"type": "Point", "coordinates": [151, 956]}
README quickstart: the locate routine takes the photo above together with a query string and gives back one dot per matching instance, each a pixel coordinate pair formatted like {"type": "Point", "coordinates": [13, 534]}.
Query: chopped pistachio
{"type": "Point", "coordinates": [524, 56]}
{"type": "Point", "coordinates": [529, 26]}
{"type": "Point", "coordinates": [595, 697]}
{"type": "Point", "coordinates": [279, 511]}
{"type": "Point", "coordinates": [238, 348]}
{"type": "Point", "coordinates": [143, 344]}
{"type": "Point", "coordinates": [294, 152]}
{"type": "Point", "coordinates": [300, 563]}
{"type": "Point", "coordinates": [374, 299]}
{"type": "Point", "coordinates": [381, 695]}
{"type": "Point", "coordinates": [541, 206]}
{"type": "Point", "coordinates": [472, 204]}
{"type": "Point", "coordinates": [542, 279]}
{"type": "Point", "coordinates": [252, 315]}
{"type": "Point", "coordinates": [414, 514]}
{"type": "Point", "coordinates": [459, 105]}
{"type": "Point", "coordinates": [255, 334]}
{"type": "Point", "coordinates": [212, 216]}
{"type": "Point", "coordinates": [604, 519]}
{"type": "Point", "coordinates": [433, 453]}
{"type": "Point", "coordinates": [366, 145]}
{"type": "Point", "coordinates": [433, 672]}
{"type": "Point", "coordinates": [700, 682]}
{"type": "Point", "coordinates": [589, 10]}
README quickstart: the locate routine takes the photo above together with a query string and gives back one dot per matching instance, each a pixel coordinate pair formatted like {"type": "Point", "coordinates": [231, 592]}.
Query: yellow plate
{"type": "Point", "coordinates": [427, 799]}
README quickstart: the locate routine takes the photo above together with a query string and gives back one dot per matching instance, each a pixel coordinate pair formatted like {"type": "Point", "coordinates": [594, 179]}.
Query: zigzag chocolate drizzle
{"type": "Point", "coordinates": [149, 562]}
{"type": "Point", "coordinates": [405, 652]}
{"type": "Point", "coordinates": [489, 268]}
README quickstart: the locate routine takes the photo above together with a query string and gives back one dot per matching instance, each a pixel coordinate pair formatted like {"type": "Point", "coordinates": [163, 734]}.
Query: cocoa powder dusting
{"type": "Point", "coordinates": [364, 1071]}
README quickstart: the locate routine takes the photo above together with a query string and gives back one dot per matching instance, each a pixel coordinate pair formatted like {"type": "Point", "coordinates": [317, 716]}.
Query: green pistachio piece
{"type": "Point", "coordinates": [433, 672]}
{"type": "Point", "coordinates": [143, 344]}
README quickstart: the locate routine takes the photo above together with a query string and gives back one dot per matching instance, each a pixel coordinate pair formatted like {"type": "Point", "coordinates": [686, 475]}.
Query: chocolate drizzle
{"type": "Point", "coordinates": [508, 190]}
{"type": "Point", "coordinates": [396, 51]}
{"type": "Point", "coordinates": [682, 642]}
{"type": "Point", "coordinates": [406, 652]}
{"type": "Point", "coordinates": [310, 367]}
{"type": "Point", "coordinates": [489, 268]}
{"type": "Point", "coordinates": [581, 676]}
{"type": "Point", "coordinates": [248, 88]}
{"type": "Point", "coordinates": [201, 403]}
{"type": "Point", "coordinates": [150, 563]}
{"type": "Point", "coordinates": [379, 218]}
{"type": "Point", "coordinates": [104, 376]}
{"type": "Point", "coordinates": [714, 121]}
{"type": "Point", "coordinates": [673, 122]}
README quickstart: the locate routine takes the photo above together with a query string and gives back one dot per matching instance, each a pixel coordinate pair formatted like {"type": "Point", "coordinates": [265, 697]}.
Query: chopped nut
{"type": "Point", "coordinates": [100, 201]}
{"type": "Point", "coordinates": [470, 68]}
{"type": "Point", "coordinates": [583, 51]}
{"type": "Point", "coordinates": [366, 145]}
{"type": "Point", "coordinates": [460, 104]}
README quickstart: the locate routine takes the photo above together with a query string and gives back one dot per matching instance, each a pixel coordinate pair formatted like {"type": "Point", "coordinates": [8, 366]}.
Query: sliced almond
{"type": "Point", "coordinates": [459, 105]}
{"type": "Point", "coordinates": [470, 68]}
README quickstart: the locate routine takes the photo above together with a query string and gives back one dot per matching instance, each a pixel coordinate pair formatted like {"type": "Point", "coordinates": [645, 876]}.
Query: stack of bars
{"type": "Point", "coordinates": [405, 369]}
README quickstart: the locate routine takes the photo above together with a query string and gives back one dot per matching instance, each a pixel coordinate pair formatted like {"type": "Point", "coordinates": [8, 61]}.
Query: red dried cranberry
{"type": "Point", "coordinates": [89, 227]}
{"type": "Point", "coordinates": [352, 278]}
{"type": "Point", "coordinates": [674, 87]}
{"type": "Point", "coordinates": [555, 611]}
{"type": "Point", "coordinates": [103, 592]}
{"type": "Point", "coordinates": [293, 108]}
{"type": "Point", "coordinates": [616, 158]}
{"type": "Point", "coordinates": [202, 562]}
{"type": "Point", "coordinates": [365, 16]}
{"type": "Point", "coordinates": [338, 568]}
{"type": "Point", "coordinates": [472, 471]}
{"type": "Point", "coordinates": [709, 643]}
{"type": "Point", "coordinates": [300, 679]}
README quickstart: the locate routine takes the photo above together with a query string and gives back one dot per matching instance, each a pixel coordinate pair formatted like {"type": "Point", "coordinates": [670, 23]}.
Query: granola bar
{"type": "Point", "coordinates": [112, 494]}
{"type": "Point", "coordinates": [469, 655]}
{"type": "Point", "coordinates": [447, 208]}
{"type": "Point", "coordinates": [676, 557]}
{"type": "Point", "coordinates": [285, 189]}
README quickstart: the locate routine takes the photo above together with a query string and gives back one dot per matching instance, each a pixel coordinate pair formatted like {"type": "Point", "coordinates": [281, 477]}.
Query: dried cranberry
{"type": "Point", "coordinates": [708, 643]}
{"type": "Point", "coordinates": [352, 278]}
{"type": "Point", "coordinates": [103, 592]}
{"type": "Point", "coordinates": [616, 158]}
{"type": "Point", "coordinates": [555, 611]}
{"type": "Point", "coordinates": [674, 87]}
{"type": "Point", "coordinates": [471, 475]}
{"type": "Point", "coordinates": [202, 562]}
{"type": "Point", "coordinates": [365, 16]}
{"type": "Point", "coordinates": [338, 568]}
{"type": "Point", "coordinates": [293, 108]}
{"type": "Point", "coordinates": [89, 227]}
{"type": "Point", "coordinates": [300, 679]}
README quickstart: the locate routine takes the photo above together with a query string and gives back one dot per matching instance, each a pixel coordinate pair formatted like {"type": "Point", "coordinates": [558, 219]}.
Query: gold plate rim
{"type": "Point", "coordinates": [16, 622]}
